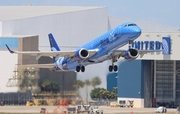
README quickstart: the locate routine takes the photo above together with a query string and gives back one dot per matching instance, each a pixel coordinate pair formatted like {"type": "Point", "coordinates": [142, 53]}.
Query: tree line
{"type": "Point", "coordinates": [101, 93]}
{"type": "Point", "coordinates": [96, 93]}
{"type": "Point", "coordinates": [29, 82]}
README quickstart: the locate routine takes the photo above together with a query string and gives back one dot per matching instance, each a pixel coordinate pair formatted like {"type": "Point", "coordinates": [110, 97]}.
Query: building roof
{"type": "Point", "coordinates": [17, 36]}
{"type": "Point", "coordinates": [145, 26]}
{"type": "Point", "coordinates": [21, 12]}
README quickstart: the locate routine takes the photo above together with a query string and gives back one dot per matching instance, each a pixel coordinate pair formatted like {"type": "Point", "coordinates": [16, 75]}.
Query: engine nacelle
{"type": "Point", "coordinates": [81, 54]}
{"type": "Point", "coordinates": [131, 54]}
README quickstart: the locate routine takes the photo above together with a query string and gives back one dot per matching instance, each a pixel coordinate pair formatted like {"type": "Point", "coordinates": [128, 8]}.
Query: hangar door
{"type": "Point", "coordinates": [164, 80]}
{"type": "Point", "coordinates": [167, 81]}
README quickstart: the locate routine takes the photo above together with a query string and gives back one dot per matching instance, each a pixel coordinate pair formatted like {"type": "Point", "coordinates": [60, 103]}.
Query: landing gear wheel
{"type": "Point", "coordinates": [78, 68]}
{"type": "Point", "coordinates": [110, 68]}
{"type": "Point", "coordinates": [115, 68]}
{"type": "Point", "coordinates": [82, 68]}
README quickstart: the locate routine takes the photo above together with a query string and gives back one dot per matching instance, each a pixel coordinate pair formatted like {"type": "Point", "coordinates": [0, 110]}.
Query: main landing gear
{"type": "Point", "coordinates": [80, 68]}
{"type": "Point", "coordinates": [113, 67]}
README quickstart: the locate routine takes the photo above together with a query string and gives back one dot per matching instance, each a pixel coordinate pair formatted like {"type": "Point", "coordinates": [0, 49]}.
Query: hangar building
{"type": "Point", "coordinates": [72, 26]}
{"type": "Point", "coordinates": [153, 80]}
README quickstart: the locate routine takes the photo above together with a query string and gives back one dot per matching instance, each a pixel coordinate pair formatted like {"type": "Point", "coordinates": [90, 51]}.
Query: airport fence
{"type": "Point", "coordinates": [21, 98]}
{"type": "Point", "coordinates": [15, 98]}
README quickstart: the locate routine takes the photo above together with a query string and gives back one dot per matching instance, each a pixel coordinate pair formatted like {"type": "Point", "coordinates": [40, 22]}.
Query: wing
{"type": "Point", "coordinates": [142, 52]}
{"type": "Point", "coordinates": [38, 66]}
{"type": "Point", "coordinates": [38, 54]}
{"type": "Point", "coordinates": [120, 53]}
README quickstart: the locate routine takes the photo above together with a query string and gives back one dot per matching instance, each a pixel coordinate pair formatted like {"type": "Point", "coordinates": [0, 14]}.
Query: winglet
{"type": "Point", "coordinates": [9, 49]}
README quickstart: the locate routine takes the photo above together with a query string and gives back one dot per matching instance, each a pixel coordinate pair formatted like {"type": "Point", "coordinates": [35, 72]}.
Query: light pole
{"type": "Point", "coordinates": [63, 86]}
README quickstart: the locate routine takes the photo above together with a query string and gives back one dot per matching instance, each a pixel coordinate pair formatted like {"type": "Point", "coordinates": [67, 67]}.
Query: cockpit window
{"type": "Point", "coordinates": [125, 25]}
{"type": "Point", "coordinates": [131, 25]}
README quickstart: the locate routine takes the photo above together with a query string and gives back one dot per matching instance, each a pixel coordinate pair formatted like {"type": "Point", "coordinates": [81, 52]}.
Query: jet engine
{"type": "Point", "coordinates": [131, 54]}
{"type": "Point", "coordinates": [81, 54]}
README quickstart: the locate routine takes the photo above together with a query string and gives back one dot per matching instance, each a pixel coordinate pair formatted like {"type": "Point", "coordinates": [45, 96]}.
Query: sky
{"type": "Point", "coordinates": [166, 12]}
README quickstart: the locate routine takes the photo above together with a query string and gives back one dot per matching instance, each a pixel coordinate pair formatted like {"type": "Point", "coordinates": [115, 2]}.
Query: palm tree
{"type": "Point", "coordinates": [87, 83]}
{"type": "Point", "coordinates": [78, 84]}
{"type": "Point", "coordinates": [28, 80]}
{"type": "Point", "coordinates": [45, 84]}
{"type": "Point", "coordinates": [102, 93]}
{"type": "Point", "coordinates": [95, 81]}
{"type": "Point", "coordinates": [115, 90]}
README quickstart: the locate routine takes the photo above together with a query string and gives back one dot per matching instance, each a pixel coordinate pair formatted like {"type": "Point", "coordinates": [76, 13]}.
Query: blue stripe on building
{"type": "Point", "coordinates": [130, 79]}
{"type": "Point", "coordinates": [111, 81]}
{"type": "Point", "coordinates": [11, 42]}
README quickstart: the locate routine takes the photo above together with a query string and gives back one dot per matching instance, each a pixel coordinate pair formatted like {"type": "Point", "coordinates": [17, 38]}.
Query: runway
{"type": "Point", "coordinates": [107, 110]}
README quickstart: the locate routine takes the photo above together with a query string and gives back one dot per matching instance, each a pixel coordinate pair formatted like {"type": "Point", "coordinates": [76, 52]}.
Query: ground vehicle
{"type": "Point", "coordinates": [95, 110]}
{"type": "Point", "coordinates": [43, 110]}
{"type": "Point", "coordinates": [1, 103]}
{"type": "Point", "coordinates": [161, 109]}
{"type": "Point", "coordinates": [114, 104]}
{"type": "Point", "coordinates": [30, 103]}
{"type": "Point", "coordinates": [71, 109]}
{"type": "Point", "coordinates": [83, 108]}
{"type": "Point", "coordinates": [126, 103]}
{"type": "Point", "coordinates": [122, 103]}
{"type": "Point", "coordinates": [130, 103]}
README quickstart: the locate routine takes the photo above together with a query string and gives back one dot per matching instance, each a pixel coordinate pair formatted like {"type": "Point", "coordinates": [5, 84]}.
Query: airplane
{"type": "Point", "coordinates": [102, 48]}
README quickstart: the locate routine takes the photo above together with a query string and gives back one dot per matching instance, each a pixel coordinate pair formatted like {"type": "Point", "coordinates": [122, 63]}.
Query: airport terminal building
{"type": "Point", "coordinates": [149, 79]}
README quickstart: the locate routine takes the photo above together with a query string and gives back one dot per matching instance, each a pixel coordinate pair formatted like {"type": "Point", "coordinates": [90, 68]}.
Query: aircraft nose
{"type": "Point", "coordinates": [136, 31]}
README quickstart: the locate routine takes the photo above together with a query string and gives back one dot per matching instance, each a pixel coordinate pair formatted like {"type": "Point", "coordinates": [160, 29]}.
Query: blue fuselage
{"type": "Point", "coordinates": [105, 44]}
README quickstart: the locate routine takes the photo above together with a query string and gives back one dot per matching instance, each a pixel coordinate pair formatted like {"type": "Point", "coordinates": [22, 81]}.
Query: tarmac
{"type": "Point", "coordinates": [106, 110]}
